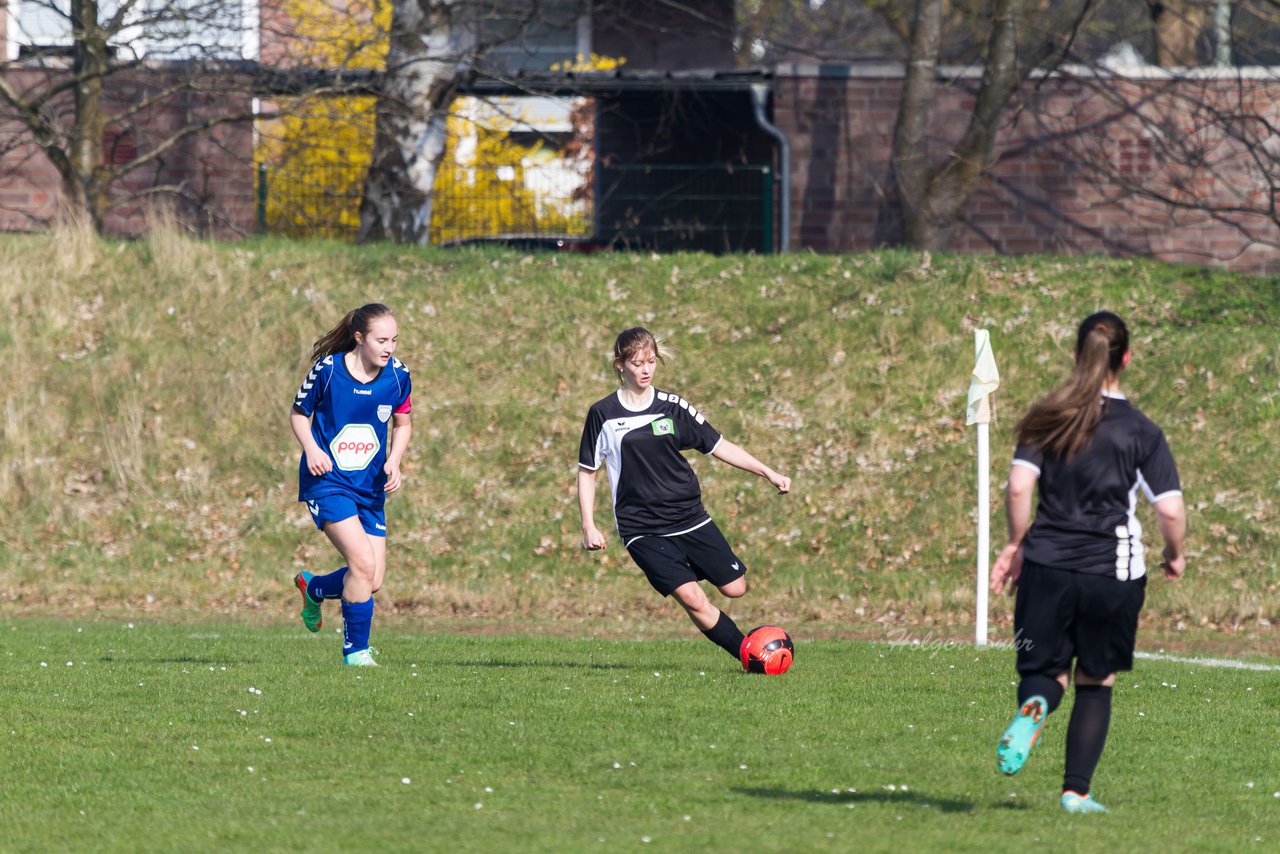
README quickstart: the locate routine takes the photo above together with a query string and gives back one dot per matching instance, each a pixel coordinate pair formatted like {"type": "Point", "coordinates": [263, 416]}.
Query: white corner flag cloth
{"type": "Point", "coordinates": [984, 380]}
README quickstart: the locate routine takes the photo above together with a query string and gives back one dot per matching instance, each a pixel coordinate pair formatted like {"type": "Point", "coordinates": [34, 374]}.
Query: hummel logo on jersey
{"type": "Point", "coordinates": [734, 566]}
{"type": "Point", "coordinates": [314, 507]}
{"type": "Point", "coordinates": [663, 427]}
{"type": "Point", "coordinates": [365, 391]}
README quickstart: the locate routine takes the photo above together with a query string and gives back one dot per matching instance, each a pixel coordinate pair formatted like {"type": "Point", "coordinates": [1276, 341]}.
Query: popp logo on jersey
{"type": "Point", "coordinates": [354, 447]}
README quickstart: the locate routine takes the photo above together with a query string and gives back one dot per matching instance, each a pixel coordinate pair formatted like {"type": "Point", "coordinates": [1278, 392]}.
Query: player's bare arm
{"type": "Point", "coordinates": [592, 537]}
{"type": "Point", "coordinates": [318, 461]}
{"type": "Point", "coordinates": [739, 457]}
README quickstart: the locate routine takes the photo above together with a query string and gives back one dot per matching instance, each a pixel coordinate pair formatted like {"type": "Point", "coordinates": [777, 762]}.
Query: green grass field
{"type": "Point", "coordinates": [158, 737]}
{"type": "Point", "coordinates": [158, 694]}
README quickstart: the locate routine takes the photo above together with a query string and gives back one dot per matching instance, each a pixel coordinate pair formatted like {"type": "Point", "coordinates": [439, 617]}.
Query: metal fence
{"type": "Point", "coordinates": [713, 208]}
{"type": "Point", "coordinates": [552, 199]}
{"type": "Point", "coordinates": [321, 201]}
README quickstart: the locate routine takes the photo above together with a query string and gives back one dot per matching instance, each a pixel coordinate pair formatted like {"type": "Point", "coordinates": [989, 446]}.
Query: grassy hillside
{"type": "Point", "coordinates": [146, 463]}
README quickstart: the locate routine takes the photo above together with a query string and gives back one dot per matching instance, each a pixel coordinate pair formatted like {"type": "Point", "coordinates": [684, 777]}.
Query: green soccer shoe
{"type": "Point", "coordinates": [311, 617]}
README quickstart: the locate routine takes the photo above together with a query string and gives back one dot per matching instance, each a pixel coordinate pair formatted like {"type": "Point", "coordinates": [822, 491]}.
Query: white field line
{"type": "Point", "coordinates": [1229, 663]}
{"type": "Point", "coordinates": [940, 644]}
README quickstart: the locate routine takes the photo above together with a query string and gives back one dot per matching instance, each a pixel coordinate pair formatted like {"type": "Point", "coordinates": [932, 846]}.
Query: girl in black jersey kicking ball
{"type": "Point", "coordinates": [1079, 570]}
{"type": "Point", "coordinates": [639, 432]}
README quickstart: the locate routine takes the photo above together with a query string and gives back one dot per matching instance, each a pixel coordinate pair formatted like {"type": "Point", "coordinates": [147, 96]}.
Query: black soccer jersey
{"type": "Point", "coordinates": [1085, 520]}
{"type": "Point", "coordinates": [654, 489]}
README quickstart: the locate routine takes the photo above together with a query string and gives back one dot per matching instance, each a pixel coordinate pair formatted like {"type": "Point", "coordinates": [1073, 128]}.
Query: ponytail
{"type": "Point", "coordinates": [342, 338]}
{"type": "Point", "coordinates": [1062, 423]}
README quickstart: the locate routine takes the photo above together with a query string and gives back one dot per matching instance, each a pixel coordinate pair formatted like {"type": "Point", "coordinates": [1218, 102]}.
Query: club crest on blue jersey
{"type": "Point", "coordinates": [384, 412]}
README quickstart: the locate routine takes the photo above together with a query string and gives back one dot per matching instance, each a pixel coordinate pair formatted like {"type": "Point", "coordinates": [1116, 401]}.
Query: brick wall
{"type": "Point", "coordinates": [211, 172]}
{"type": "Point", "coordinates": [1064, 183]}
{"type": "Point", "coordinates": [1072, 161]}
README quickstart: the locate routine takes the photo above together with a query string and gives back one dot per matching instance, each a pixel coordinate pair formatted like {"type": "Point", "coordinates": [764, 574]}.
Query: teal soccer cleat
{"type": "Point", "coordinates": [311, 617]}
{"type": "Point", "coordinates": [360, 658]}
{"type": "Point", "coordinates": [1074, 803]}
{"type": "Point", "coordinates": [1016, 743]}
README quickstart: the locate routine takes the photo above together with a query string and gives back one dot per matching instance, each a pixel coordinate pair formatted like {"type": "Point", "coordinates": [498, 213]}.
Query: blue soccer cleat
{"type": "Point", "coordinates": [1016, 743]}
{"type": "Point", "coordinates": [1076, 803]}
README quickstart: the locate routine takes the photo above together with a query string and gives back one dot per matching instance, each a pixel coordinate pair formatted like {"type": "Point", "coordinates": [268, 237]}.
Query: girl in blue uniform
{"type": "Point", "coordinates": [639, 432]}
{"type": "Point", "coordinates": [1079, 568]}
{"type": "Point", "coordinates": [352, 418]}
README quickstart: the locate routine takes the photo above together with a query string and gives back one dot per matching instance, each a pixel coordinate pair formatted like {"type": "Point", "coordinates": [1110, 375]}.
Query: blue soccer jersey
{"type": "Point", "coordinates": [350, 421]}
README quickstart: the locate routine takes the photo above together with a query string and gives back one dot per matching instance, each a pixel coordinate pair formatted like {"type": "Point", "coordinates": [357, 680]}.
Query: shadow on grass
{"type": "Point", "coordinates": [1012, 805]}
{"type": "Point", "coordinates": [846, 798]}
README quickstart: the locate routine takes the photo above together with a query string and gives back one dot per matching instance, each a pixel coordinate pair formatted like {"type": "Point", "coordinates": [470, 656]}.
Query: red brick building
{"type": "Point", "coordinates": [1077, 172]}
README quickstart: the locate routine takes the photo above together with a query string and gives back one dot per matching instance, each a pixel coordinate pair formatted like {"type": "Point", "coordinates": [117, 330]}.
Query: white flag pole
{"type": "Point", "coordinates": [984, 380]}
{"type": "Point", "coordinates": [984, 530]}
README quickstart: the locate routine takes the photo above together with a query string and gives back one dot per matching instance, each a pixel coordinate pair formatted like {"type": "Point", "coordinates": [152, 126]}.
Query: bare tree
{"type": "Point", "coordinates": [1187, 147]}
{"type": "Point", "coordinates": [771, 31]}
{"type": "Point", "coordinates": [430, 57]}
{"type": "Point", "coordinates": [437, 47]}
{"type": "Point", "coordinates": [933, 196]}
{"type": "Point", "coordinates": [95, 75]}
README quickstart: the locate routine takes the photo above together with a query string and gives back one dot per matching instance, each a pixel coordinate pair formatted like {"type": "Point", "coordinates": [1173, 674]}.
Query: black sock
{"type": "Point", "coordinates": [1086, 736]}
{"type": "Point", "coordinates": [726, 635]}
{"type": "Point", "coordinates": [1045, 686]}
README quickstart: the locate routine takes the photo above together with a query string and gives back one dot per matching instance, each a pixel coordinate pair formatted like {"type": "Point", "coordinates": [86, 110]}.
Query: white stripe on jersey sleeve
{"type": "Point", "coordinates": [1151, 496]}
{"type": "Point", "coordinates": [310, 381]}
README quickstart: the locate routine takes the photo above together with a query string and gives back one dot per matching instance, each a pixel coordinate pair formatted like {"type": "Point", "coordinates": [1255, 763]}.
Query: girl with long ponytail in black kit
{"type": "Point", "coordinates": [1079, 569]}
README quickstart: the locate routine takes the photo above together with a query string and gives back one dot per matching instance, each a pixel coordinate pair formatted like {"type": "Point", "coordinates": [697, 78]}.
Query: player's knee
{"type": "Point", "coordinates": [1083, 678]}
{"type": "Point", "coordinates": [692, 597]}
{"type": "Point", "coordinates": [365, 569]}
{"type": "Point", "coordinates": [734, 588]}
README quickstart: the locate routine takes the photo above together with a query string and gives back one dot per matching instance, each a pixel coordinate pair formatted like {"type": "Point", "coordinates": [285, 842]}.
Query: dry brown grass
{"type": "Point", "coordinates": [147, 465]}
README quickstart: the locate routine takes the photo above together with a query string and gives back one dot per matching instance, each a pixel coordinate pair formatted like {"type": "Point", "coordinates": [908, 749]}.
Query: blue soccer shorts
{"type": "Point", "coordinates": [338, 506]}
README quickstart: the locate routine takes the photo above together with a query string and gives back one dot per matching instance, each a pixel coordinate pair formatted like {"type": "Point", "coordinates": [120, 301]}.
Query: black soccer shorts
{"type": "Point", "coordinates": [1060, 615]}
{"type": "Point", "coordinates": [702, 554]}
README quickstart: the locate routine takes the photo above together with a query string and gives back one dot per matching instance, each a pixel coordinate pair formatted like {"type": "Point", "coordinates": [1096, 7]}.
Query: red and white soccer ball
{"type": "Point", "coordinates": [767, 649]}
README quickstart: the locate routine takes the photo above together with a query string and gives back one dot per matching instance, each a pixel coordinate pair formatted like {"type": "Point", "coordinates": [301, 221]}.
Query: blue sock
{"type": "Point", "coordinates": [356, 617]}
{"type": "Point", "coordinates": [327, 586]}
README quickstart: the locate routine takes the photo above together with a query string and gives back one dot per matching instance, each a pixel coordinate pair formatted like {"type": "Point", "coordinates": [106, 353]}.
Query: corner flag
{"type": "Point", "coordinates": [984, 380]}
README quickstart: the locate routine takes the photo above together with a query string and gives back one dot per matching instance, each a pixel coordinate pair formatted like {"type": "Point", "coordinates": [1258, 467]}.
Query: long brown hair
{"type": "Point", "coordinates": [1063, 421]}
{"type": "Point", "coordinates": [342, 338]}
